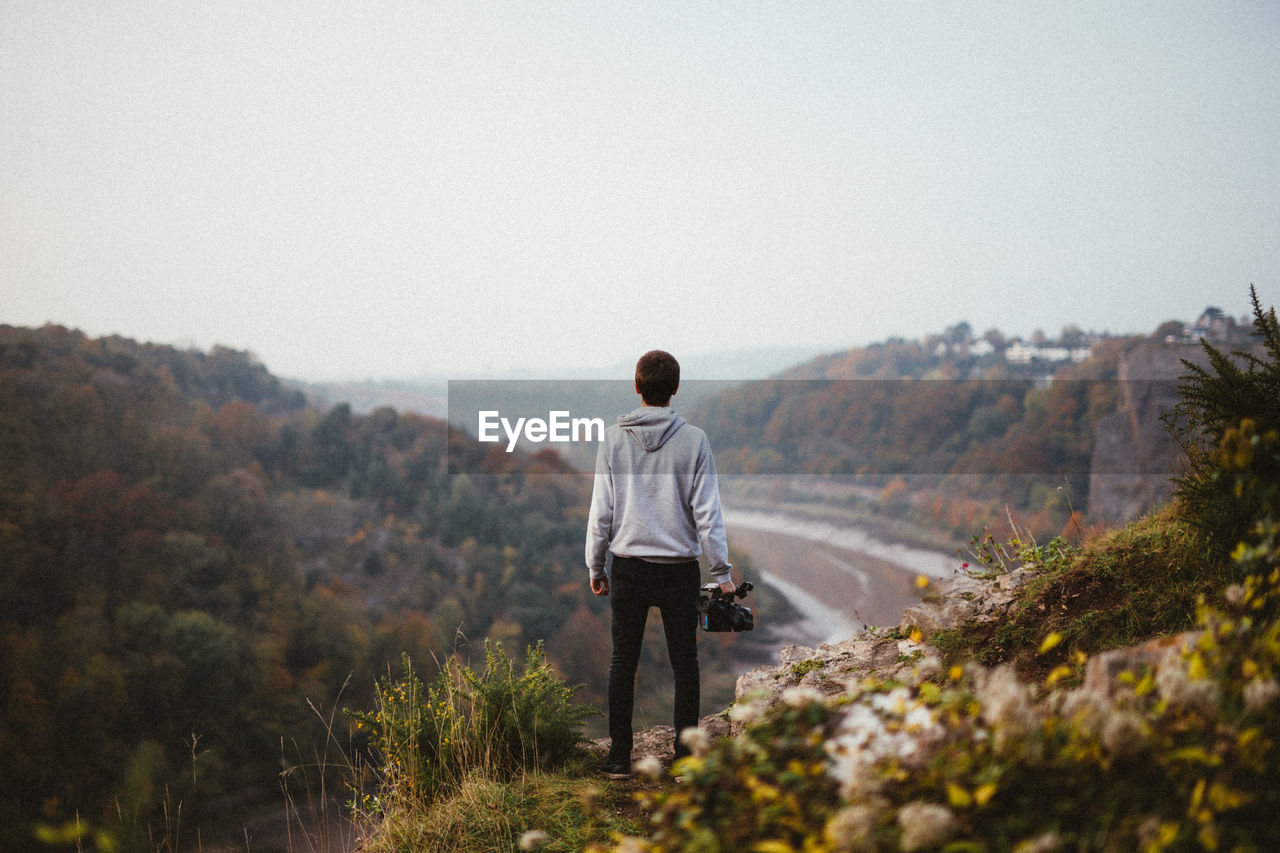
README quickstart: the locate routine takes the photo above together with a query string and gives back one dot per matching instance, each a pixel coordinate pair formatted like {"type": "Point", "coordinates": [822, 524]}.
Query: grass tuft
{"type": "Point", "coordinates": [480, 761]}
{"type": "Point", "coordinates": [1128, 585]}
{"type": "Point", "coordinates": [549, 811]}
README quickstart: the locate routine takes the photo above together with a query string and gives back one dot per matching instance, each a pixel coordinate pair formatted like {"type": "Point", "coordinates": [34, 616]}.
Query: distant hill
{"type": "Point", "coordinates": [423, 397]}
{"type": "Point", "coordinates": [953, 428]}
{"type": "Point", "coordinates": [429, 395]}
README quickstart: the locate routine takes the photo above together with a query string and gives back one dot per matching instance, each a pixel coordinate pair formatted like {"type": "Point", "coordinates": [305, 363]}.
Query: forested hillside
{"type": "Point", "coordinates": [934, 431]}
{"type": "Point", "coordinates": [191, 553]}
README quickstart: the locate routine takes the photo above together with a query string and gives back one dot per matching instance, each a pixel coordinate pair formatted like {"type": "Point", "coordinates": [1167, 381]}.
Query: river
{"type": "Point", "coordinates": [840, 577]}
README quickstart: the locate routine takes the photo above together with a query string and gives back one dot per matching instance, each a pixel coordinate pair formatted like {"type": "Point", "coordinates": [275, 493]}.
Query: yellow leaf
{"type": "Point", "coordinates": [1224, 799]}
{"type": "Point", "coordinates": [762, 792]}
{"type": "Point", "coordinates": [1145, 686]}
{"type": "Point", "coordinates": [1058, 673]}
{"type": "Point", "coordinates": [1196, 667]}
{"type": "Point", "coordinates": [1050, 642]}
{"type": "Point", "coordinates": [773, 846]}
{"type": "Point", "coordinates": [922, 581]}
{"type": "Point", "coordinates": [983, 794]}
{"type": "Point", "coordinates": [1197, 796]}
{"type": "Point", "coordinates": [917, 636]}
{"type": "Point", "coordinates": [1196, 754]}
{"type": "Point", "coordinates": [690, 764]}
{"type": "Point", "coordinates": [958, 797]}
{"type": "Point", "coordinates": [68, 833]}
{"type": "Point", "coordinates": [956, 673]}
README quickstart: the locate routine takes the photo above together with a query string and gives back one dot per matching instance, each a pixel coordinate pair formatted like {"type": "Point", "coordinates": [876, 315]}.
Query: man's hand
{"type": "Point", "coordinates": [728, 587]}
{"type": "Point", "coordinates": [600, 586]}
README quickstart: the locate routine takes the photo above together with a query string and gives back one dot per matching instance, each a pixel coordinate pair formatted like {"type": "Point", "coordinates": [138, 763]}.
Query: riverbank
{"type": "Point", "coordinates": [839, 576]}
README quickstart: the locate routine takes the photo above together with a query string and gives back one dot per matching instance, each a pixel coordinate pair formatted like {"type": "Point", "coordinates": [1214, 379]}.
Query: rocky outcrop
{"type": "Point", "coordinates": [901, 654]}
{"type": "Point", "coordinates": [831, 668]}
{"type": "Point", "coordinates": [1133, 455]}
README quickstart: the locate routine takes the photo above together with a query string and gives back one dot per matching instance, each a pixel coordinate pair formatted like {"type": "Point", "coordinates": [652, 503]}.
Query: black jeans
{"type": "Point", "coordinates": [634, 586]}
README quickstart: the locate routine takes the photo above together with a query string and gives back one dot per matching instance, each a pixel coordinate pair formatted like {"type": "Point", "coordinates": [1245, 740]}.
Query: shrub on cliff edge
{"type": "Point", "coordinates": [1225, 411]}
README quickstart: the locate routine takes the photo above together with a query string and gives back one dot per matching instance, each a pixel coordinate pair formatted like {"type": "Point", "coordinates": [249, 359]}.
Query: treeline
{"type": "Point", "coordinates": [940, 435]}
{"type": "Point", "coordinates": [191, 552]}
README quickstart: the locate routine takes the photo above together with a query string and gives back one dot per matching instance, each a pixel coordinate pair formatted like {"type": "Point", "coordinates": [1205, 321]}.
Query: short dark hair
{"type": "Point", "coordinates": [657, 377]}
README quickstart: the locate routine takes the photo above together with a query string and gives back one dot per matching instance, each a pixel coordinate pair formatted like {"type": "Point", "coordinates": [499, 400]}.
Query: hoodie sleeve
{"type": "Point", "coordinates": [704, 500]}
{"type": "Point", "coordinates": [600, 517]}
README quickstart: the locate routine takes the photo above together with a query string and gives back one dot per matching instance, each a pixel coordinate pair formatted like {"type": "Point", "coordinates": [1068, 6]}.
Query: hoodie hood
{"type": "Point", "coordinates": [651, 426]}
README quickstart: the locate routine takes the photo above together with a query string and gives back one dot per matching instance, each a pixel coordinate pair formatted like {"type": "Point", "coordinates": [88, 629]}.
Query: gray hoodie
{"type": "Point", "coordinates": [656, 495]}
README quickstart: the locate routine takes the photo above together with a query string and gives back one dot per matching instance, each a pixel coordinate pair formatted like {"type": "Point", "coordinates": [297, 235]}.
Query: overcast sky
{"type": "Point", "coordinates": [384, 190]}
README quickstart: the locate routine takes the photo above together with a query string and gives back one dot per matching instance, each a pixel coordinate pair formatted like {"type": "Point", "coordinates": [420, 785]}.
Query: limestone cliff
{"type": "Point", "coordinates": [1134, 456]}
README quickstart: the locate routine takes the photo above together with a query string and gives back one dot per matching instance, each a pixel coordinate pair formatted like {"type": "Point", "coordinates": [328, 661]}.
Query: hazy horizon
{"type": "Point", "coordinates": [415, 189]}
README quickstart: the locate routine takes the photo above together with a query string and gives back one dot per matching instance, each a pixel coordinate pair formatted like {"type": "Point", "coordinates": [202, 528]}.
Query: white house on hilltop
{"type": "Point", "coordinates": [1024, 353]}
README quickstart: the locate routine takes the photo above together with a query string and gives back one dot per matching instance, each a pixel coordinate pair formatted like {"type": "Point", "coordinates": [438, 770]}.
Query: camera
{"type": "Point", "coordinates": [720, 613]}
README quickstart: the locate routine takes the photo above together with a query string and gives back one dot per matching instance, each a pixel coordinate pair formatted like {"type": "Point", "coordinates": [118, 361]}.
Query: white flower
{"type": "Point", "coordinates": [649, 767]}
{"type": "Point", "coordinates": [852, 829]}
{"type": "Point", "coordinates": [1234, 594]}
{"type": "Point", "coordinates": [1261, 692]}
{"type": "Point", "coordinates": [870, 732]}
{"type": "Point", "coordinates": [533, 839]}
{"type": "Point", "coordinates": [924, 825]}
{"type": "Point", "coordinates": [1083, 707]}
{"type": "Point", "coordinates": [800, 696]}
{"type": "Point", "coordinates": [1123, 733]}
{"type": "Point", "coordinates": [925, 669]}
{"type": "Point", "coordinates": [1180, 690]}
{"type": "Point", "coordinates": [859, 743]}
{"type": "Point", "coordinates": [1006, 705]}
{"type": "Point", "coordinates": [897, 702]}
{"type": "Point", "coordinates": [1050, 842]}
{"type": "Point", "coordinates": [746, 713]}
{"type": "Point", "coordinates": [696, 739]}
{"type": "Point", "coordinates": [919, 718]}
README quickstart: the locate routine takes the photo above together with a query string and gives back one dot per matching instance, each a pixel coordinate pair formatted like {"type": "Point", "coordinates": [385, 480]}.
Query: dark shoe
{"type": "Point", "coordinates": [616, 770]}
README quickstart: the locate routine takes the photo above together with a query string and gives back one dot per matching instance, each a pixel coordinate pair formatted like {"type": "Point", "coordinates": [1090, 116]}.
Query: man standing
{"type": "Point", "coordinates": [655, 507]}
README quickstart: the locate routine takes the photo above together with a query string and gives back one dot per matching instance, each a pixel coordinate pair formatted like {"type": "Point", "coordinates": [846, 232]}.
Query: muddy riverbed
{"type": "Point", "coordinates": [838, 577]}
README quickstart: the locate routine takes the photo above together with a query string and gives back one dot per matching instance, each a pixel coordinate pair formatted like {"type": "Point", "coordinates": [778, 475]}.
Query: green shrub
{"type": "Point", "coordinates": [498, 722]}
{"type": "Point", "coordinates": [1224, 411]}
{"type": "Point", "coordinates": [1020, 551]}
{"type": "Point", "coordinates": [522, 719]}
